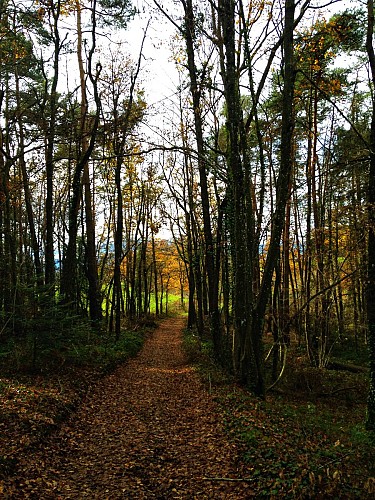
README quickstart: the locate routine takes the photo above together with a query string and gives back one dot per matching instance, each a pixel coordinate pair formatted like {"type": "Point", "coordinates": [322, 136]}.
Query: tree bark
{"type": "Point", "coordinates": [69, 268]}
{"type": "Point", "coordinates": [240, 206]}
{"type": "Point", "coordinates": [92, 268]}
{"type": "Point", "coordinates": [26, 189]}
{"type": "Point", "coordinates": [283, 181]}
{"type": "Point", "coordinates": [370, 422]}
{"type": "Point", "coordinates": [212, 272]}
{"type": "Point", "coordinates": [49, 245]}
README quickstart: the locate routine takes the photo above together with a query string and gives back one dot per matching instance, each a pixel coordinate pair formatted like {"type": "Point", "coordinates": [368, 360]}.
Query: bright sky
{"type": "Point", "coordinates": [158, 72]}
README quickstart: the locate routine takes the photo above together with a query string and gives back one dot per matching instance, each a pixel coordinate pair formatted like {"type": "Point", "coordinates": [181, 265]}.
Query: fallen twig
{"type": "Point", "coordinates": [228, 479]}
{"type": "Point", "coordinates": [335, 391]}
{"type": "Point", "coordinates": [333, 461]}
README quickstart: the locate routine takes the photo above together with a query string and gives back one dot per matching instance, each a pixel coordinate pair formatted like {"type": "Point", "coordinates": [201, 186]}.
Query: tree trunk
{"type": "Point", "coordinates": [282, 191]}
{"type": "Point", "coordinates": [370, 423]}
{"type": "Point", "coordinates": [156, 292]}
{"type": "Point", "coordinates": [92, 269]}
{"type": "Point", "coordinates": [49, 245]}
{"type": "Point", "coordinates": [212, 273]}
{"type": "Point", "coordinates": [118, 249]}
{"type": "Point", "coordinates": [8, 272]}
{"type": "Point", "coordinates": [69, 268]}
{"type": "Point", "coordinates": [240, 206]}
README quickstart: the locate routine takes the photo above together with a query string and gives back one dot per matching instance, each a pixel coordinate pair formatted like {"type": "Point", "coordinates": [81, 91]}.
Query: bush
{"type": "Point", "coordinates": [59, 339]}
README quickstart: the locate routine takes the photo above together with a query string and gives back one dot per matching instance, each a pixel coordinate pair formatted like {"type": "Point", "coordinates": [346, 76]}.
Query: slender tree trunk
{"type": "Point", "coordinates": [308, 259]}
{"type": "Point", "coordinates": [283, 182]}
{"type": "Point", "coordinates": [285, 302]}
{"type": "Point", "coordinates": [194, 318]}
{"type": "Point", "coordinates": [69, 268]}
{"type": "Point", "coordinates": [50, 166]}
{"type": "Point", "coordinates": [8, 262]}
{"type": "Point", "coordinates": [92, 269]}
{"type": "Point", "coordinates": [156, 292]}
{"type": "Point", "coordinates": [370, 423]}
{"type": "Point", "coordinates": [27, 194]}
{"type": "Point", "coordinates": [212, 273]}
{"type": "Point", "coordinates": [145, 270]}
{"type": "Point", "coordinates": [118, 248]}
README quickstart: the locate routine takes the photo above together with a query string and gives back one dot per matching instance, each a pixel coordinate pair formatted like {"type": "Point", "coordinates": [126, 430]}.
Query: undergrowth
{"type": "Point", "coordinates": [71, 342]}
{"type": "Point", "coordinates": [306, 440]}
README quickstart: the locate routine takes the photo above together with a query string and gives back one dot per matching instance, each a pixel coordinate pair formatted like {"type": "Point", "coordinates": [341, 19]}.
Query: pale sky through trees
{"type": "Point", "coordinates": [158, 70]}
{"type": "Point", "coordinates": [159, 75]}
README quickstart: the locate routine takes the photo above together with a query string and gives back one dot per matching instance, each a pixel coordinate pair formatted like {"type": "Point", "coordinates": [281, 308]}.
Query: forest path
{"type": "Point", "coordinates": [148, 430]}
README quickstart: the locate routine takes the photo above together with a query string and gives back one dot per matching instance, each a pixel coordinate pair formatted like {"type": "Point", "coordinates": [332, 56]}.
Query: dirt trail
{"type": "Point", "coordinates": [149, 430]}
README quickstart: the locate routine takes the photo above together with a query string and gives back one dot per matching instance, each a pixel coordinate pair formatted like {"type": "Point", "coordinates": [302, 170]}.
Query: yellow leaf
{"type": "Point", "coordinates": [370, 485]}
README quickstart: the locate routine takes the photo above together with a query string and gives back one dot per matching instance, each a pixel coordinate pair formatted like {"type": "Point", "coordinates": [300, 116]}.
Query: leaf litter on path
{"type": "Point", "coordinates": [148, 430]}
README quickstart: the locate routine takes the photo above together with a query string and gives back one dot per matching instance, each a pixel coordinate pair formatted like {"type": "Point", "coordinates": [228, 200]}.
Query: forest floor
{"type": "Point", "coordinates": [156, 428]}
{"type": "Point", "coordinates": [148, 430]}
